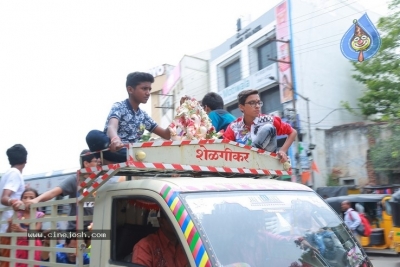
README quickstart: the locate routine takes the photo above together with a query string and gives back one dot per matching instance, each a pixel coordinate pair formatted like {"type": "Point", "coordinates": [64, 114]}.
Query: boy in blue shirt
{"type": "Point", "coordinates": [213, 105]}
{"type": "Point", "coordinates": [62, 257]}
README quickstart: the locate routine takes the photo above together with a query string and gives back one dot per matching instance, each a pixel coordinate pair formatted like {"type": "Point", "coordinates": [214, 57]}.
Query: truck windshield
{"type": "Point", "coordinates": [271, 228]}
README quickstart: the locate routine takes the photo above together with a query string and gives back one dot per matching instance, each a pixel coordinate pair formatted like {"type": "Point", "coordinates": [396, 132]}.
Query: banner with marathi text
{"type": "Point", "coordinates": [283, 51]}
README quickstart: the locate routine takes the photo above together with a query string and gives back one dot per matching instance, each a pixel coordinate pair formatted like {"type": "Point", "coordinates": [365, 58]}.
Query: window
{"type": "Point", "coordinates": [234, 110]}
{"type": "Point", "coordinates": [272, 100]}
{"type": "Point", "coordinates": [133, 218]}
{"type": "Point", "coordinates": [348, 182]}
{"type": "Point", "coordinates": [231, 223]}
{"type": "Point", "coordinates": [232, 73]}
{"type": "Point", "coordinates": [166, 106]}
{"type": "Point", "coordinates": [265, 51]}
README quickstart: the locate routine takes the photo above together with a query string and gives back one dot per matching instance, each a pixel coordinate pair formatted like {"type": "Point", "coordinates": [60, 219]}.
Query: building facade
{"type": "Point", "coordinates": [292, 55]}
{"type": "Point", "coordinates": [189, 77]}
{"type": "Point", "coordinates": [160, 74]}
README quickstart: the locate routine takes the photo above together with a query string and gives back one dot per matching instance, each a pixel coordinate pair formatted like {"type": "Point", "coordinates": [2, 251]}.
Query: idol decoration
{"type": "Point", "coordinates": [192, 123]}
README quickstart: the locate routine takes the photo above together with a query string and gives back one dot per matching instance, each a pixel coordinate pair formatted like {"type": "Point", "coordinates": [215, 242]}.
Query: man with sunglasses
{"type": "Point", "coordinates": [257, 129]}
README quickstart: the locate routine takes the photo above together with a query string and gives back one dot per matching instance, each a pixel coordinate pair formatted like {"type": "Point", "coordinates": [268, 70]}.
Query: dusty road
{"type": "Point", "coordinates": [384, 260]}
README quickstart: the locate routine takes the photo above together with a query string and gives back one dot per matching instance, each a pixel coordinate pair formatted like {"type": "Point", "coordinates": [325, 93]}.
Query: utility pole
{"type": "Point", "coordinates": [297, 154]}
{"type": "Point", "coordinates": [311, 147]}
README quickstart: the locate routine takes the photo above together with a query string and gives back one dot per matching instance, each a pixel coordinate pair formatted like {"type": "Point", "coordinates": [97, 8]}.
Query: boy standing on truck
{"type": "Point", "coordinates": [68, 187]}
{"type": "Point", "coordinates": [126, 122]}
{"type": "Point", "coordinates": [12, 182]}
{"type": "Point", "coordinates": [257, 129]}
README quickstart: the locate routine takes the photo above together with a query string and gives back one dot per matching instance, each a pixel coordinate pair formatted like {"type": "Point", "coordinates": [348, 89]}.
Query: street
{"type": "Point", "coordinates": [379, 260]}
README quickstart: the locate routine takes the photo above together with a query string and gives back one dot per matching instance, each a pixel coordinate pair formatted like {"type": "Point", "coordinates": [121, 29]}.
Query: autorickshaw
{"type": "Point", "coordinates": [377, 208]}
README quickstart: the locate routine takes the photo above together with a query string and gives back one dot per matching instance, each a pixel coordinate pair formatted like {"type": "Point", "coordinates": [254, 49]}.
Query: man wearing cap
{"type": "Point", "coordinates": [126, 122]}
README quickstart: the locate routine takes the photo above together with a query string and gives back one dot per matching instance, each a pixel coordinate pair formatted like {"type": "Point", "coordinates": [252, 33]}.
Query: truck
{"type": "Point", "coordinates": [219, 200]}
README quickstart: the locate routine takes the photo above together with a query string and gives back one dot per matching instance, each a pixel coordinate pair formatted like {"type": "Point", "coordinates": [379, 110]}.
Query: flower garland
{"type": "Point", "coordinates": [193, 122]}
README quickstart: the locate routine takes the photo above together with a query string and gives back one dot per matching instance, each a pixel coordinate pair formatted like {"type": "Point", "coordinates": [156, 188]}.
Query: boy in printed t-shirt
{"type": "Point", "coordinates": [257, 129]}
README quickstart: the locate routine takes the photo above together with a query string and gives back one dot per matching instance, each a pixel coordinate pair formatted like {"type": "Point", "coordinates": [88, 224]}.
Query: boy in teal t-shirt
{"type": "Point", "coordinates": [213, 105]}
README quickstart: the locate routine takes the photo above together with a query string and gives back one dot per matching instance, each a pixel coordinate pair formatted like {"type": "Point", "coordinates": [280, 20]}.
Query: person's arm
{"type": "Point", "coordinates": [11, 185]}
{"type": "Point", "coordinates": [9, 225]}
{"type": "Point", "coordinates": [56, 191]}
{"type": "Point", "coordinates": [16, 228]}
{"type": "Point", "coordinates": [44, 255]}
{"type": "Point", "coordinates": [163, 133]}
{"type": "Point", "coordinates": [112, 127]}
{"type": "Point", "coordinates": [112, 132]}
{"type": "Point", "coordinates": [356, 220]}
{"type": "Point", "coordinates": [152, 127]}
{"type": "Point", "coordinates": [289, 141]}
{"type": "Point", "coordinates": [6, 199]}
{"type": "Point", "coordinates": [283, 128]}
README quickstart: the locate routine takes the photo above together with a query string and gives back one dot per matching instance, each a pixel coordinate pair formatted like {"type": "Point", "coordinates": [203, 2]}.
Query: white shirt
{"type": "Point", "coordinates": [352, 219]}
{"type": "Point", "coordinates": [14, 181]}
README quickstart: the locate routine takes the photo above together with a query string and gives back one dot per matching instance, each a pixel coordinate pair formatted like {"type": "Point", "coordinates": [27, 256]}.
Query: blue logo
{"type": "Point", "coordinates": [361, 41]}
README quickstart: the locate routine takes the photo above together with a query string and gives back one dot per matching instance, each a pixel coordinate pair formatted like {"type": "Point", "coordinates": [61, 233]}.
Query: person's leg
{"type": "Point", "coordinates": [98, 140]}
{"type": "Point", "coordinates": [266, 138]}
{"type": "Point", "coordinates": [119, 156]}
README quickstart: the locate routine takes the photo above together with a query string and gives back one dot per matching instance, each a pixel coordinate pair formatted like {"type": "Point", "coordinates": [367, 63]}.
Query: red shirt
{"type": "Point", "coordinates": [237, 131]}
{"type": "Point", "coordinates": [156, 250]}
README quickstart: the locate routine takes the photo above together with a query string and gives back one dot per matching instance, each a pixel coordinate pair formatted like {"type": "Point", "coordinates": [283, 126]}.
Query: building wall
{"type": "Point", "coordinates": [347, 158]}
{"type": "Point", "coordinates": [191, 78]}
{"type": "Point", "coordinates": [241, 46]}
{"type": "Point", "coordinates": [320, 72]}
{"type": "Point", "coordinates": [194, 80]}
{"type": "Point", "coordinates": [323, 74]}
{"type": "Point", "coordinates": [156, 112]}
{"type": "Point", "coordinates": [160, 74]}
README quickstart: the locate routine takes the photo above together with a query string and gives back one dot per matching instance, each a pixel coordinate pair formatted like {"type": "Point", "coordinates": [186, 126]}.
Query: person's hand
{"type": "Point", "coordinates": [116, 145]}
{"type": "Point", "coordinates": [282, 155]}
{"type": "Point", "coordinates": [18, 205]}
{"type": "Point", "coordinates": [304, 244]}
{"type": "Point", "coordinates": [46, 242]}
{"type": "Point", "coordinates": [184, 98]}
{"type": "Point", "coordinates": [16, 227]}
{"type": "Point", "coordinates": [30, 202]}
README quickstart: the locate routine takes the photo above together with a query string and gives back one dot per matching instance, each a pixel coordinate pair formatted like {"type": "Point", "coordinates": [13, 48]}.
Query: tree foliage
{"type": "Point", "coordinates": [385, 154]}
{"type": "Point", "coordinates": [381, 73]}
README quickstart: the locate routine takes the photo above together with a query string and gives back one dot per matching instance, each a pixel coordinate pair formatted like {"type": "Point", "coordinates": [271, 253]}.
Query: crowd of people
{"type": "Point", "coordinates": [126, 123]}
{"type": "Point", "coordinates": [15, 193]}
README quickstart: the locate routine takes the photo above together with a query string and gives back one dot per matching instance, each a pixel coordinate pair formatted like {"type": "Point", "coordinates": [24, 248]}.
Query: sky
{"type": "Point", "coordinates": [64, 63]}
